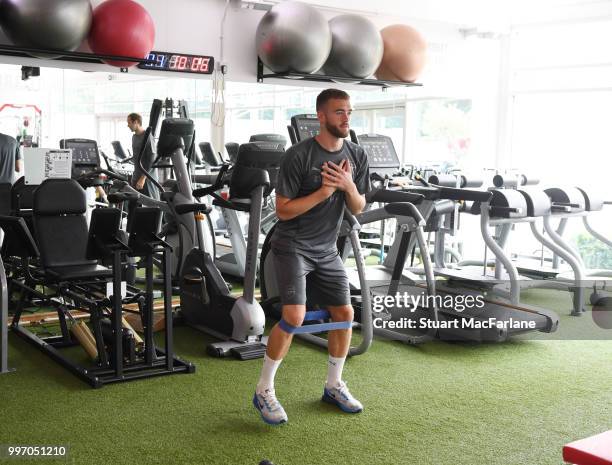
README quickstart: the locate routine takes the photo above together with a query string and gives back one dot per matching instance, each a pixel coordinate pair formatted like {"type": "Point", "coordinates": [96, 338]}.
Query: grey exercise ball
{"type": "Point", "coordinates": [357, 47]}
{"type": "Point", "coordinates": [293, 36]}
{"type": "Point", "coordinates": [57, 24]}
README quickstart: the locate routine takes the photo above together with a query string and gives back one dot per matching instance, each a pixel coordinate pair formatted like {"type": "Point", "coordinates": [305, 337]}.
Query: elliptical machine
{"type": "Point", "coordinates": [182, 230]}
{"type": "Point", "coordinates": [206, 302]}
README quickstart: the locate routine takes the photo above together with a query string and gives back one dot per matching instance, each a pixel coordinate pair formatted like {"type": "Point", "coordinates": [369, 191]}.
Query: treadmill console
{"type": "Point", "coordinates": [175, 133]}
{"type": "Point", "coordinates": [262, 155]}
{"type": "Point", "coordinates": [382, 157]}
{"type": "Point", "coordinates": [85, 156]}
{"type": "Point", "coordinates": [305, 126]}
{"type": "Point", "coordinates": [118, 150]}
{"type": "Point", "coordinates": [211, 158]}
{"type": "Point", "coordinates": [232, 150]}
{"type": "Point", "coordinates": [269, 138]}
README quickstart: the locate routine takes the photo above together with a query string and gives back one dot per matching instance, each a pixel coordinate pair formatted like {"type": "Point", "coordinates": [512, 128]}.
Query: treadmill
{"type": "Point", "coordinates": [391, 277]}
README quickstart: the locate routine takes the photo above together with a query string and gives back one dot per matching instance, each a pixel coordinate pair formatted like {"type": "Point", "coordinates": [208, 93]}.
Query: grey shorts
{"type": "Point", "coordinates": [320, 280]}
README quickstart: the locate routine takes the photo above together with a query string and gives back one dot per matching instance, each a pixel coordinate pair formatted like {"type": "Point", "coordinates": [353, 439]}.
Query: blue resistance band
{"type": "Point", "coordinates": [316, 328]}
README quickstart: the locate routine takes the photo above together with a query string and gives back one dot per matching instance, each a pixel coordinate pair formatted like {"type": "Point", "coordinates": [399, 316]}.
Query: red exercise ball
{"type": "Point", "coordinates": [404, 53]}
{"type": "Point", "coordinates": [123, 28]}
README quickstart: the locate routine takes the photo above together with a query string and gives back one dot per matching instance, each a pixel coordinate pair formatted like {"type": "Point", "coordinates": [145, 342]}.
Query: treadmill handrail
{"type": "Point", "coordinates": [387, 196]}
{"type": "Point", "coordinates": [457, 193]}
{"type": "Point", "coordinates": [98, 171]}
{"type": "Point", "coordinates": [405, 209]}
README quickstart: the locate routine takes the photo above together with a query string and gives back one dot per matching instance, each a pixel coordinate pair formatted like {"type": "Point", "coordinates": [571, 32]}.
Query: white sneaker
{"type": "Point", "coordinates": [270, 409]}
{"type": "Point", "coordinates": [339, 395]}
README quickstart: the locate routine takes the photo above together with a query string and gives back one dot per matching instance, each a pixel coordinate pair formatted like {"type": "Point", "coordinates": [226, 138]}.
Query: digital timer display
{"type": "Point", "coordinates": [164, 61]}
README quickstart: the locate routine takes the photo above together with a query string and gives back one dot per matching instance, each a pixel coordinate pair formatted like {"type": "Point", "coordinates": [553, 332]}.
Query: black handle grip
{"type": "Point", "coordinates": [192, 208]}
{"type": "Point", "coordinates": [113, 175]}
{"type": "Point", "coordinates": [217, 184]}
{"type": "Point", "coordinates": [204, 191]}
{"type": "Point", "coordinates": [421, 179]}
{"type": "Point", "coordinates": [567, 204]}
{"type": "Point", "coordinates": [118, 197]}
{"type": "Point", "coordinates": [560, 208]}
{"type": "Point", "coordinates": [501, 211]}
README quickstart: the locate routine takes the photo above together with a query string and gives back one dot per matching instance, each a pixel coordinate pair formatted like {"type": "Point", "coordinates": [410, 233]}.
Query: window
{"type": "Point", "coordinates": [440, 132]}
{"type": "Point", "coordinates": [561, 101]}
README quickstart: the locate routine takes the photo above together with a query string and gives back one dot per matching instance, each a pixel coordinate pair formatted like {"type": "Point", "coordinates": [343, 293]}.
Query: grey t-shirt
{"type": "Point", "coordinates": [147, 155]}
{"type": "Point", "coordinates": [9, 152]}
{"type": "Point", "coordinates": [315, 231]}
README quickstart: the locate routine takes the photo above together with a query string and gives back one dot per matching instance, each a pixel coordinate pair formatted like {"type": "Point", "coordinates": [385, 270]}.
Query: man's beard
{"type": "Point", "coordinates": [335, 131]}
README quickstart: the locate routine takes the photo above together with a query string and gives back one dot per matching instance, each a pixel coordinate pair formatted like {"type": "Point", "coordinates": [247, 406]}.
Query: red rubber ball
{"type": "Point", "coordinates": [123, 28]}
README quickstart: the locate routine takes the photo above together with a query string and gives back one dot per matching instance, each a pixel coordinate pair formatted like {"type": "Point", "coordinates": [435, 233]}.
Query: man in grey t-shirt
{"type": "Point", "coordinates": [140, 181]}
{"type": "Point", "coordinates": [318, 178]}
{"type": "Point", "coordinates": [10, 159]}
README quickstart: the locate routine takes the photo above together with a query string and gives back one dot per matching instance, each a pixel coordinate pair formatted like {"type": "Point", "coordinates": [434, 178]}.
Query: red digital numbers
{"type": "Point", "coordinates": [195, 63]}
{"type": "Point", "coordinates": [181, 63]}
{"type": "Point", "coordinates": [204, 65]}
{"type": "Point", "coordinates": [178, 62]}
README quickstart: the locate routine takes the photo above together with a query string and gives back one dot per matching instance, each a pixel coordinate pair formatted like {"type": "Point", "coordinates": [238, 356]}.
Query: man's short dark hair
{"type": "Point", "coordinates": [329, 94]}
{"type": "Point", "coordinates": [135, 117]}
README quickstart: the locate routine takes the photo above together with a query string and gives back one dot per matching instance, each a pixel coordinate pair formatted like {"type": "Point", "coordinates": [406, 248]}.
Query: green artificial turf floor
{"type": "Point", "coordinates": [439, 404]}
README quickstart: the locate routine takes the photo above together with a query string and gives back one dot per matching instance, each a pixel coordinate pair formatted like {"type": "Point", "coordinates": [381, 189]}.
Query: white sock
{"type": "Point", "coordinates": [268, 371]}
{"type": "Point", "coordinates": [334, 370]}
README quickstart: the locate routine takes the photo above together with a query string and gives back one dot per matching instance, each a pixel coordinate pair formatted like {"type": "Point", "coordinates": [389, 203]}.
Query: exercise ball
{"type": "Point", "coordinates": [357, 47]}
{"type": "Point", "coordinates": [123, 28]}
{"type": "Point", "coordinates": [293, 36]}
{"type": "Point", "coordinates": [59, 24]}
{"type": "Point", "coordinates": [383, 73]}
{"type": "Point", "coordinates": [602, 312]}
{"type": "Point", "coordinates": [404, 54]}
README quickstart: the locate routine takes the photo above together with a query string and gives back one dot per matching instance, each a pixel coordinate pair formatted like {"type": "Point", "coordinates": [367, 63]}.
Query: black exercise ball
{"type": "Point", "coordinates": [293, 36]}
{"type": "Point", "coordinates": [56, 24]}
{"type": "Point", "coordinates": [357, 47]}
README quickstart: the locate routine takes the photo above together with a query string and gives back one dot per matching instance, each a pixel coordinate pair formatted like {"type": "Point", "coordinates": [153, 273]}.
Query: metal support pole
{"type": "Point", "coordinates": [515, 290]}
{"type": "Point", "coordinates": [3, 321]}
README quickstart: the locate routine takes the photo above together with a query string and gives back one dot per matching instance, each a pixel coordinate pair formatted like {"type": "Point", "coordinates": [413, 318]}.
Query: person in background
{"type": "Point", "coordinates": [140, 182]}
{"type": "Point", "coordinates": [10, 159]}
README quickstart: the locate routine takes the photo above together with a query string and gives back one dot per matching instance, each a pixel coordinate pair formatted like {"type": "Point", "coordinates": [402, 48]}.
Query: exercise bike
{"type": "Point", "coordinates": [206, 302]}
